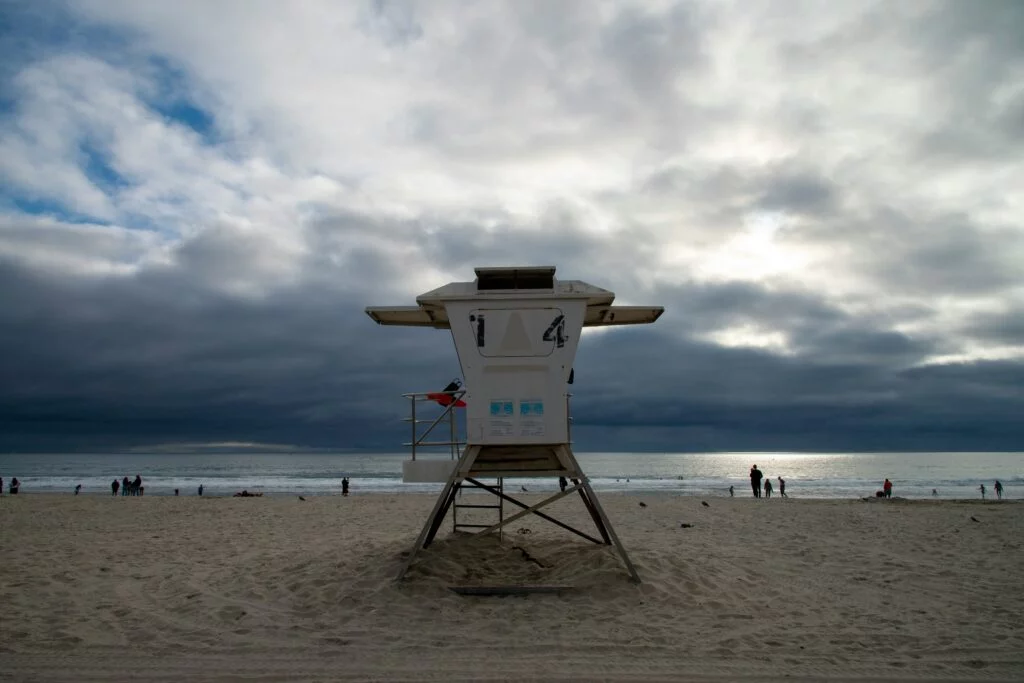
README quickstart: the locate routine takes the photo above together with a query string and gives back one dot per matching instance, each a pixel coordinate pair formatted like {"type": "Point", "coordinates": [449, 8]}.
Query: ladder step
{"type": "Point", "coordinates": [476, 505]}
{"type": "Point", "coordinates": [473, 526]}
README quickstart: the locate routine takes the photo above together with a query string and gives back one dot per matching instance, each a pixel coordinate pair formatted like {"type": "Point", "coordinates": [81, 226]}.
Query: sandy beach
{"type": "Point", "coordinates": [94, 588]}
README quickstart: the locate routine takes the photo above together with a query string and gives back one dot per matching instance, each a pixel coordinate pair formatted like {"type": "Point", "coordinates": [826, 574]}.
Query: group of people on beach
{"type": "Point", "coordinates": [756, 477]}
{"type": "Point", "coordinates": [759, 483]}
{"type": "Point", "coordinates": [127, 487]}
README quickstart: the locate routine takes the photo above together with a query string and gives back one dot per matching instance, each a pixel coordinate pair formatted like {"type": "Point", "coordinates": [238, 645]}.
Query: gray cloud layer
{"type": "Point", "coordinates": [823, 195]}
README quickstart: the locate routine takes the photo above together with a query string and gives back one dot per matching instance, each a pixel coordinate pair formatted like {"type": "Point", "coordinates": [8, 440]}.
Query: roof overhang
{"type": "Point", "coordinates": [599, 315]}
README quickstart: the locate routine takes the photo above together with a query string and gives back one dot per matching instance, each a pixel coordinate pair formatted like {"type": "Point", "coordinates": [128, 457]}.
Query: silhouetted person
{"type": "Point", "coordinates": [782, 488]}
{"type": "Point", "coordinates": [78, 489]}
{"type": "Point", "coordinates": [344, 486]}
{"type": "Point", "coordinates": [14, 486]}
{"type": "Point", "coordinates": [731, 492]}
{"type": "Point", "coordinates": [136, 485]}
{"type": "Point", "coordinates": [767, 488]}
{"type": "Point", "coordinates": [175, 491]}
{"type": "Point", "coordinates": [999, 489]}
{"type": "Point", "coordinates": [982, 489]}
{"type": "Point", "coordinates": [755, 481]}
{"type": "Point", "coordinates": [887, 489]}
{"type": "Point", "coordinates": [935, 493]}
{"type": "Point", "coordinates": [126, 486]}
{"type": "Point", "coordinates": [562, 483]}
{"type": "Point", "coordinates": [114, 486]}
{"type": "Point", "coordinates": [200, 489]}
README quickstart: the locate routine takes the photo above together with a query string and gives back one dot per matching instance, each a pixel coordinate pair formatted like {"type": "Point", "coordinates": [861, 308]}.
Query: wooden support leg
{"type": "Point", "coordinates": [604, 519]}
{"type": "Point", "coordinates": [468, 456]}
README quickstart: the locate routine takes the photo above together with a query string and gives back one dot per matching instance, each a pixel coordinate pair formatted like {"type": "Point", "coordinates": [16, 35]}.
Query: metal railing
{"type": "Point", "coordinates": [448, 415]}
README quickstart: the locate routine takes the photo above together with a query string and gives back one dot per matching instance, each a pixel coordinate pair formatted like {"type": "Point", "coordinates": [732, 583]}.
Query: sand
{"type": "Point", "coordinates": [94, 588]}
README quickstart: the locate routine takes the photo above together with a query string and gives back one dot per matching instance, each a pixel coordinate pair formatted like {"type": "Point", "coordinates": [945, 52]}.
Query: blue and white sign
{"type": "Point", "coordinates": [531, 408]}
{"type": "Point", "coordinates": [502, 408]}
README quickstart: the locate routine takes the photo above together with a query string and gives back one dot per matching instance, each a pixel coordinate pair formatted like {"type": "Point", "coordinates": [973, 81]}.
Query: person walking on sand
{"type": "Point", "coordinates": [982, 489]}
{"type": "Point", "coordinates": [782, 488]}
{"type": "Point", "coordinates": [887, 488]}
{"type": "Point", "coordinates": [755, 481]}
{"type": "Point", "coordinates": [999, 489]}
{"type": "Point", "coordinates": [767, 488]}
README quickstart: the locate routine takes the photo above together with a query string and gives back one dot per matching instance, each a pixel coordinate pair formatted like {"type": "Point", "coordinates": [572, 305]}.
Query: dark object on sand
{"type": "Point", "coordinates": [246, 494]}
{"type": "Point", "coordinates": [879, 494]}
{"type": "Point", "coordinates": [975, 519]}
{"type": "Point", "coordinates": [302, 499]}
{"type": "Point", "coordinates": [524, 489]}
{"type": "Point", "coordinates": [705, 503]}
{"type": "Point", "coordinates": [684, 525]}
{"type": "Point", "coordinates": [643, 504]}
{"type": "Point", "coordinates": [507, 590]}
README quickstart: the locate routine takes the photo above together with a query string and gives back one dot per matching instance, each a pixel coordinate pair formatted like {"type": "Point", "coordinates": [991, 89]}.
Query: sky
{"type": "Point", "coordinates": [198, 199]}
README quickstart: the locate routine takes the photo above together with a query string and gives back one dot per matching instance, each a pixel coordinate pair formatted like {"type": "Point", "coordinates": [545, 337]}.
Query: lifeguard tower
{"type": "Point", "coordinates": [515, 331]}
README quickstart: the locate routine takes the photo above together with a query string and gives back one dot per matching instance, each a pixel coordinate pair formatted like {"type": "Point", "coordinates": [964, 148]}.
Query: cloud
{"type": "Point", "coordinates": [198, 200]}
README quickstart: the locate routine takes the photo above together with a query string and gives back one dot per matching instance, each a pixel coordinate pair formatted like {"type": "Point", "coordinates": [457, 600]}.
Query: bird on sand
{"type": "Point", "coordinates": [524, 489]}
{"type": "Point", "coordinates": [643, 504]}
{"type": "Point", "coordinates": [301, 498]}
{"type": "Point", "coordinates": [975, 519]}
{"type": "Point", "coordinates": [705, 503]}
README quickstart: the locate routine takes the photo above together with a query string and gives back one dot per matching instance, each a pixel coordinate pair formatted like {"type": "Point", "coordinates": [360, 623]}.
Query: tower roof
{"type": "Point", "coordinates": [495, 284]}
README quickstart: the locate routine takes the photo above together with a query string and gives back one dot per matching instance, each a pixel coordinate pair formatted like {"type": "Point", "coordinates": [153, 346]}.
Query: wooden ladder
{"type": "Point", "coordinates": [499, 505]}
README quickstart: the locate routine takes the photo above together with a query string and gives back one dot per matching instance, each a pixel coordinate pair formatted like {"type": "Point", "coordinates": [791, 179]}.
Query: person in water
{"type": "Point", "coordinates": [755, 481]}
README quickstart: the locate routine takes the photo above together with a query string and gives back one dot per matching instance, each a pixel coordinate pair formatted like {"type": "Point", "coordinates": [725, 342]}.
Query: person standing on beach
{"type": "Point", "coordinates": [114, 486]}
{"type": "Point", "coordinates": [14, 486]}
{"type": "Point", "coordinates": [887, 488]}
{"type": "Point", "coordinates": [755, 481]}
{"type": "Point", "coordinates": [125, 486]}
{"type": "Point", "coordinates": [767, 488]}
{"type": "Point", "coordinates": [731, 494]}
{"type": "Point", "coordinates": [999, 490]}
{"type": "Point", "coordinates": [200, 489]}
{"type": "Point", "coordinates": [562, 483]}
{"type": "Point", "coordinates": [982, 489]}
{"type": "Point", "coordinates": [782, 488]}
{"type": "Point", "coordinates": [344, 486]}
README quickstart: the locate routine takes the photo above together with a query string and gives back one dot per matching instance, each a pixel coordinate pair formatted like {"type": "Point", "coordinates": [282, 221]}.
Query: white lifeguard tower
{"type": "Point", "coordinates": [515, 332]}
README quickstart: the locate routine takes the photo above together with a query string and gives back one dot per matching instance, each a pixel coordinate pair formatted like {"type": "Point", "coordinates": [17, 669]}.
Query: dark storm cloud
{"type": "Point", "coordinates": [166, 355]}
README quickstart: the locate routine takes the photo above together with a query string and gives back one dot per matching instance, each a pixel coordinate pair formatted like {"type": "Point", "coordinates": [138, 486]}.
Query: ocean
{"type": "Point", "coordinates": [807, 475]}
